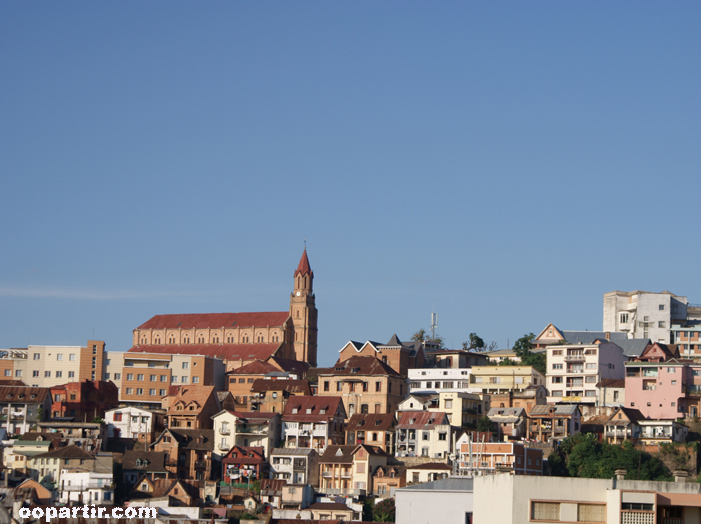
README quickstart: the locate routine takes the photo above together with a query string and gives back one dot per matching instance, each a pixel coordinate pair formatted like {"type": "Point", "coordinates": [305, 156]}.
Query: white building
{"type": "Point", "coordinates": [574, 370]}
{"type": "Point", "coordinates": [424, 434]}
{"type": "Point", "coordinates": [129, 422]}
{"type": "Point", "coordinates": [445, 501]}
{"type": "Point", "coordinates": [234, 428]}
{"type": "Point", "coordinates": [87, 487]}
{"type": "Point", "coordinates": [434, 380]}
{"type": "Point", "coordinates": [642, 314]}
{"type": "Point", "coordinates": [295, 465]}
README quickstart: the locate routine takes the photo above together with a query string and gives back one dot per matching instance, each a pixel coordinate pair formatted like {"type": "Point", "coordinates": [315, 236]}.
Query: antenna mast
{"type": "Point", "coordinates": [434, 325]}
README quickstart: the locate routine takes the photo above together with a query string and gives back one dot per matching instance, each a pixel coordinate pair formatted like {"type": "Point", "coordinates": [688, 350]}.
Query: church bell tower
{"type": "Point", "coordinates": [303, 313]}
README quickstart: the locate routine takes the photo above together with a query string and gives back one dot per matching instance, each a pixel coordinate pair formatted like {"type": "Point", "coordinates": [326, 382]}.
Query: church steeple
{"type": "Point", "coordinates": [303, 312]}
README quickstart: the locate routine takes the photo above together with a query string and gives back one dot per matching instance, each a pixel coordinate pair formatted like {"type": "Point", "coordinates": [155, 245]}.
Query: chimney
{"type": "Point", "coordinates": [621, 474]}
{"type": "Point", "coordinates": [680, 476]}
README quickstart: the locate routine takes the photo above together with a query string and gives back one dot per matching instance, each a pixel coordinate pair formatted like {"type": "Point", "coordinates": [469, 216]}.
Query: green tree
{"type": "Point", "coordinates": [384, 511]}
{"type": "Point", "coordinates": [523, 348]}
{"type": "Point", "coordinates": [484, 424]}
{"type": "Point", "coordinates": [419, 336]}
{"type": "Point", "coordinates": [474, 344]}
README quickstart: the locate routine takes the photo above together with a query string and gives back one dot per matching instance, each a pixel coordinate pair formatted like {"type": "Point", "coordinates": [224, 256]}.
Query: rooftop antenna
{"type": "Point", "coordinates": [305, 244]}
{"type": "Point", "coordinates": [434, 325]}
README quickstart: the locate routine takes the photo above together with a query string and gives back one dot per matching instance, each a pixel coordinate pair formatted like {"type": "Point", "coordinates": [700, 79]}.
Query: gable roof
{"type": "Point", "coordinates": [67, 452]}
{"type": "Point", "coordinates": [371, 422]}
{"type": "Point", "coordinates": [633, 347]}
{"type": "Point", "coordinates": [338, 454]}
{"type": "Point", "coordinates": [198, 439]}
{"type": "Point", "coordinates": [632, 414]}
{"type": "Point", "coordinates": [665, 351]}
{"type": "Point", "coordinates": [258, 453]}
{"type": "Point", "coordinates": [422, 419]}
{"type": "Point", "coordinates": [304, 268]}
{"type": "Point", "coordinates": [257, 367]}
{"type": "Point", "coordinates": [291, 386]}
{"type": "Point", "coordinates": [25, 394]}
{"type": "Point", "coordinates": [440, 466]}
{"type": "Point", "coordinates": [151, 461]}
{"type": "Point", "coordinates": [297, 407]}
{"type": "Point", "coordinates": [291, 366]}
{"type": "Point", "coordinates": [216, 320]}
{"type": "Point", "coordinates": [617, 383]}
{"type": "Point", "coordinates": [224, 351]}
{"type": "Point", "coordinates": [359, 365]}
{"type": "Point", "coordinates": [194, 395]}
{"type": "Point", "coordinates": [558, 410]}
{"type": "Point", "coordinates": [272, 487]}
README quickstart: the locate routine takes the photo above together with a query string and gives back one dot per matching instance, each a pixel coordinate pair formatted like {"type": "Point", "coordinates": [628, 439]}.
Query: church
{"type": "Point", "coordinates": [240, 338]}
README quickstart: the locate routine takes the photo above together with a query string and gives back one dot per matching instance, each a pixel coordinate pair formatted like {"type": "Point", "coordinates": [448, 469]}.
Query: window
{"type": "Point", "coordinates": [35, 373]}
{"type": "Point", "coordinates": [117, 417]}
{"type": "Point", "coordinates": [139, 391]}
{"type": "Point", "coordinates": [326, 385]}
{"type": "Point", "coordinates": [140, 377]}
{"type": "Point", "coordinates": [164, 378]}
{"type": "Point", "coordinates": [130, 391]}
{"type": "Point", "coordinates": [8, 372]}
{"type": "Point", "coordinates": [195, 380]}
{"type": "Point", "coordinates": [624, 318]}
{"type": "Point", "coordinates": [59, 374]}
{"type": "Point", "coordinates": [59, 356]}
{"type": "Point", "coordinates": [557, 352]}
{"type": "Point", "coordinates": [378, 386]}
{"type": "Point", "coordinates": [671, 370]}
{"type": "Point", "coordinates": [426, 435]}
{"type": "Point", "coordinates": [545, 511]}
{"type": "Point", "coordinates": [18, 373]}
{"type": "Point", "coordinates": [162, 392]}
{"type": "Point", "coordinates": [71, 357]}
{"type": "Point", "coordinates": [153, 378]}
{"type": "Point", "coordinates": [591, 365]}
{"type": "Point", "coordinates": [71, 374]}
{"type": "Point", "coordinates": [186, 365]}
{"type": "Point", "coordinates": [661, 324]}
{"type": "Point", "coordinates": [557, 366]}
{"type": "Point", "coordinates": [117, 376]}
{"type": "Point", "coordinates": [130, 376]}
{"type": "Point", "coordinates": [590, 393]}
{"type": "Point", "coordinates": [184, 380]}
{"type": "Point", "coordinates": [47, 374]}
{"type": "Point", "coordinates": [661, 309]}
{"type": "Point", "coordinates": [442, 436]}
{"type": "Point", "coordinates": [107, 376]}
{"type": "Point", "coordinates": [448, 404]}
{"type": "Point", "coordinates": [674, 382]}
{"type": "Point", "coordinates": [556, 393]}
{"type": "Point", "coordinates": [174, 378]}
{"type": "Point", "coordinates": [591, 379]}
{"type": "Point", "coordinates": [339, 386]}
{"type": "Point", "coordinates": [37, 356]}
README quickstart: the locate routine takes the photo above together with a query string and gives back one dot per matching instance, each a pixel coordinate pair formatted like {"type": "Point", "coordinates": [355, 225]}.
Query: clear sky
{"type": "Point", "coordinates": [502, 164]}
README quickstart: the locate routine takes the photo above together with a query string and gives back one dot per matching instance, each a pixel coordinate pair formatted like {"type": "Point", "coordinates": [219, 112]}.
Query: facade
{"type": "Point", "coordinates": [373, 429]}
{"type": "Point", "coordinates": [510, 421]}
{"type": "Point", "coordinates": [658, 389]}
{"type": "Point", "coordinates": [462, 409]}
{"type": "Point", "coordinates": [423, 434]}
{"type": "Point", "coordinates": [152, 464]}
{"type": "Point", "coordinates": [433, 380]}
{"type": "Point", "coordinates": [313, 422]}
{"type": "Point", "coordinates": [48, 366]}
{"type": "Point", "coordinates": [366, 385]}
{"type": "Point", "coordinates": [88, 436]}
{"type": "Point", "coordinates": [480, 458]}
{"type": "Point", "coordinates": [243, 464]}
{"type": "Point", "coordinates": [245, 429]}
{"type": "Point", "coordinates": [86, 487]}
{"type": "Point", "coordinates": [574, 370]}
{"type": "Point", "coordinates": [515, 499]}
{"type": "Point", "coordinates": [399, 356]}
{"type": "Point", "coordinates": [553, 422]}
{"type": "Point", "coordinates": [454, 358]}
{"type": "Point", "coordinates": [191, 407]}
{"type": "Point", "coordinates": [427, 472]}
{"type": "Point", "coordinates": [501, 379]}
{"type": "Point", "coordinates": [84, 400]}
{"type": "Point", "coordinates": [448, 501]}
{"type": "Point", "coordinates": [131, 422]}
{"type": "Point", "coordinates": [22, 407]}
{"type": "Point", "coordinates": [348, 470]}
{"type": "Point", "coordinates": [641, 314]}
{"type": "Point", "coordinates": [525, 398]}
{"type": "Point", "coordinates": [387, 480]}
{"type": "Point", "coordinates": [143, 379]}
{"type": "Point", "coordinates": [611, 393]}
{"type": "Point", "coordinates": [240, 338]}
{"type": "Point", "coordinates": [295, 465]}
{"type": "Point", "coordinates": [188, 453]}
{"type": "Point", "coordinates": [272, 395]}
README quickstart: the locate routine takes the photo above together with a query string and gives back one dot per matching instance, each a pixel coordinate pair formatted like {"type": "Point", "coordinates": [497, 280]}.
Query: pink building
{"type": "Point", "coordinates": [663, 390]}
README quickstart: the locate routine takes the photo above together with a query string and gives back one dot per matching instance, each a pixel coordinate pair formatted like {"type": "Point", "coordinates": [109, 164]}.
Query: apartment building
{"type": "Point", "coordinates": [502, 379]}
{"type": "Point", "coordinates": [553, 422]}
{"type": "Point", "coordinates": [423, 434]}
{"type": "Point", "coordinates": [454, 358]}
{"type": "Point", "coordinates": [47, 366]}
{"type": "Point", "coordinates": [574, 370]}
{"type": "Point", "coordinates": [83, 400]}
{"type": "Point", "coordinates": [272, 395]}
{"type": "Point", "coordinates": [23, 406]}
{"type": "Point", "coordinates": [313, 422]}
{"type": "Point", "coordinates": [480, 458]}
{"type": "Point", "coordinates": [245, 429]}
{"type": "Point", "coordinates": [365, 384]}
{"type": "Point", "coordinates": [347, 470]}
{"type": "Point", "coordinates": [295, 465]}
{"type": "Point", "coordinates": [375, 429]}
{"type": "Point", "coordinates": [188, 453]}
{"type": "Point", "coordinates": [143, 378]}
{"type": "Point", "coordinates": [133, 422]}
{"type": "Point", "coordinates": [462, 409]}
{"type": "Point", "coordinates": [642, 314]}
{"type": "Point", "coordinates": [433, 380]}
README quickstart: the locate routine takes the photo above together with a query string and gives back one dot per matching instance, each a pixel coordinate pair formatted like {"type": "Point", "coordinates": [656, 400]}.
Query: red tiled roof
{"type": "Point", "coordinates": [303, 268]}
{"type": "Point", "coordinates": [291, 386]}
{"type": "Point", "coordinates": [216, 320]}
{"type": "Point", "coordinates": [316, 403]}
{"type": "Point", "coordinates": [223, 351]}
{"type": "Point", "coordinates": [290, 366]}
{"type": "Point", "coordinates": [371, 422]}
{"type": "Point", "coordinates": [358, 365]}
{"type": "Point", "coordinates": [421, 419]}
{"type": "Point", "coordinates": [257, 367]}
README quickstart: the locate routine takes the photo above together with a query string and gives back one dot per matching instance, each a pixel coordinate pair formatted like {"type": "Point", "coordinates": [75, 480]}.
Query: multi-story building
{"type": "Point", "coordinates": [84, 400]}
{"type": "Point", "coordinates": [245, 429]}
{"type": "Point", "coordinates": [188, 453]}
{"type": "Point", "coordinates": [479, 458]}
{"type": "Point", "coordinates": [501, 379]}
{"type": "Point", "coordinates": [88, 436]}
{"type": "Point", "coordinates": [511, 422]}
{"type": "Point", "coordinates": [23, 406]}
{"type": "Point", "coordinates": [133, 422]}
{"type": "Point", "coordinates": [399, 356]}
{"type": "Point", "coordinates": [47, 468]}
{"type": "Point", "coordinates": [432, 380]}
{"type": "Point", "coordinates": [641, 314]}
{"type": "Point", "coordinates": [243, 464]}
{"type": "Point", "coordinates": [454, 358]}
{"type": "Point", "coordinates": [687, 336]}
{"type": "Point", "coordinates": [272, 395]}
{"type": "Point", "coordinates": [427, 472]}
{"type": "Point", "coordinates": [143, 379]}
{"type": "Point", "coordinates": [348, 470]}
{"type": "Point", "coordinates": [366, 385]}
{"type": "Point", "coordinates": [574, 370]}
{"type": "Point", "coordinates": [86, 487]}
{"type": "Point", "coordinates": [387, 479]}
{"type": "Point", "coordinates": [313, 422]}
{"type": "Point", "coordinates": [462, 409]}
{"type": "Point", "coordinates": [423, 434]}
{"type": "Point", "coordinates": [191, 407]}
{"type": "Point", "coordinates": [524, 398]}
{"type": "Point", "coordinates": [295, 465]}
{"type": "Point", "coordinates": [553, 422]}
{"type": "Point", "coordinates": [47, 366]}
{"type": "Point", "coordinates": [374, 429]}
{"type": "Point", "coordinates": [240, 338]}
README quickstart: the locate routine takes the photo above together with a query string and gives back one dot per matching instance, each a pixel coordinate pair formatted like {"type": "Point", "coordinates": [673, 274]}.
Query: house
{"type": "Point", "coordinates": [366, 385]}
{"type": "Point", "coordinates": [510, 421]}
{"type": "Point", "coordinates": [86, 487]}
{"type": "Point", "coordinates": [85, 400]}
{"type": "Point", "coordinates": [419, 402]}
{"type": "Point", "coordinates": [423, 433]}
{"type": "Point", "coordinates": [136, 463]}
{"type": "Point", "coordinates": [313, 422]}
{"type": "Point", "coordinates": [244, 429]}
{"type": "Point", "coordinates": [475, 458]}
{"type": "Point", "coordinates": [462, 409]}
{"type": "Point", "coordinates": [427, 472]}
{"type": "Point", "coordinates": [242, 464]}
{"type": "Point", "coordinates": [188, 453]}
{"type": "Point", "coordinates": [444, 501]}
{"type": "Point", "coordinates": [611, 393]}
{"type": "Point", "coordinates": [23, 406]}
{"type": "Point", "coordinates": [387, 479]}
{"type": "Point", "coordinates": [191, 407]}
{"type": "Point", "coordinates": [333, 511]}
{"type": "Point", "coordinates": [271, 491]}
{"type": "Point", "coordinates": [295, 465]}
{"type": "Point", "coordinates": [134, 422]}
{"type": "Point", "coordinates": [658, 352]}
{"type": "Point", "coordinates": [348, 470]}
{"type": "Point", "coordinates": [89, 436]}
{"type": "Point", "coordinates": [398, 355]}
{"type": "Point", "coordinates": [17, 458]}
{"type": "Point", "coordinates": [454, 358]}
{"type": "Point", "coordinates": [295, 500]}
{"type": "Point", "coordinates": [47, 468]}
{"type": "Point", "coordinates": [271, 395]}
{"type": "Point", "coordinates": [553, 422]}
{"type": "Point", "coordinates": [375, 429]}
{"type": "Point", "coordinates": [433, 380]}
{"type": "Point", "coordinates": [660, 389]}
{"type": "Point", "coordinates": [502, 379]}
{"type": "Point", "coordinates": [178, 492]}
{"type": "Point", "coordinates": [523, 398]}
{"type": "Point", "coordinates": [241, 380]}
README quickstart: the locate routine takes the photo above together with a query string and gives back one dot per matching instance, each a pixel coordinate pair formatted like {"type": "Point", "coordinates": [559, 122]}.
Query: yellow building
{"type": "Point", "coordinates": [501, 379]}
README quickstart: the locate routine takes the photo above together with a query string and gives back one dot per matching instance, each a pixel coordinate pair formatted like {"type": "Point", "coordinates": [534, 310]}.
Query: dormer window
{"type": "Point", "coordinates": [322, 411]}
{"type": "Point", "coordinates": [295, 410]}
{"type": "Point", "coordinates": [339, 453]}
{"type": "Point", "coordinates": [377, 422]}
{"type": "Point", "coordinates": [309, 410]}
{"type": "Point", "coordinates": [355, 370]}
{"type": "Point", "coordinates": [33, 395]}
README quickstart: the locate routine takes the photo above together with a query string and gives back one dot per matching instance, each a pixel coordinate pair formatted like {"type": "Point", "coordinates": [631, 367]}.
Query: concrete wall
{"type": "Point", "coordinates": [433, 507]}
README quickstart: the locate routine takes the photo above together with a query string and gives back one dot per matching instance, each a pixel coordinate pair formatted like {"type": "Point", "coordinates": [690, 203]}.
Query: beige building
{"type": "Point", "coordinates": [48, 366]}
{"type": "Point", "coordinates": [462, 409]}
{"type": "Point", "coordinates": [501, 379]}
{"type": "Point", "coordinates": [143, 379]}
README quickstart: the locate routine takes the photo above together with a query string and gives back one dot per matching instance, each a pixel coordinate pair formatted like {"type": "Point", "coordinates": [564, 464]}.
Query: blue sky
{"type": "Point", "coordinates": [502, 164]}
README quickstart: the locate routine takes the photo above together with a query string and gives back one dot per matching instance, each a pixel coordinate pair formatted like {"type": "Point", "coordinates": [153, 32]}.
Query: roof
{"type": "Point", "coordinates": [633, 347]}
{"type": "Point", "coordinates": [33, 435]}
{"type": "Point", "coordinates": [23, 394]}
{"type": "Point", "coordinates": [272, 487]}
{"type": "Point", "coordinates": [292, 451]}
{"type": "Point", "coordinates": [199, 439]}
{"type": "Point", "coordinates": [257, 452]}
{"type": "Point", "coordinates": [67, 452]}
{"type": "Point", "coordinates": [588, 337]}
{"type": "Point", "coordinates": [152, 461]}
{"type": "Point", "coordinates": [634, 415]}
{"type": "Point", "coordinates": [303, 408]}
{"type": "Point", "coordinates": [216, 320]}
{"type": "Point", "coordinates": [421, 419]}
{"type": "Point", "coordinates": [291, 386]}
{"type": "Point", "coordinates": [559, 410]}
{"type": "Point", "coordinates": [257, 367]}
{"type": "Point", "coordinates": [304, 268]}
{"type": "Point", "coordinates": [338, 454]}
{"type": "Point", "coordinates": [385, 470]}
{"type": "Point", "coordinates": [612, 383]}
{"type": "Point", "coordinates": [433, 465]}
{"type": "Point", "coordinates": [194, 394]}
{"type": "Point", "coordinates": [359, 365]}
{"type": "Point", "coordinates": [250, 415]}
{"type": "Point", "coordinates": [371, 422]}
{"type": "Point", "coordinates": [291, 366]}
{"type": "Point", "coordinates": [506, 415]}
{"type": "Point", "coordinates": [448, 484]}
{"type": "Point", "coordinates": [223, 351]}
{"type": "Point", "coordinates": [333, 506]}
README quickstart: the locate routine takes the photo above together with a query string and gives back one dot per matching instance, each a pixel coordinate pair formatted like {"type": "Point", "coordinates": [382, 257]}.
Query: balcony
{"type": "Point", "coordinates": [574, 357]}
{"type": "Point", "coordinates": [327, 474]}
{"type": "Point", "coordinates": [201, 464]}
{"type": "Point", "coordinates": [343, 491]}
{"type": "Point", "coordinates": [88, 485]}
{"type": "Point", "coordinates": [225, 431]}
{"type": "Point", "coordinates": [253, 431]}
{"type": "Point", "coordinates": [224, 447]}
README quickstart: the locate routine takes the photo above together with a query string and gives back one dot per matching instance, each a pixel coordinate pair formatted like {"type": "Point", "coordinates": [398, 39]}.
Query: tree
{"type": "Point", "coordinates": [523, 348]}
{"type": "Point", "coordinates": [419, 336]}
{"type": "Point", "coordinates": [384, 511]}
{"type": "Point", "coordinates": [485, 424]}
{"type": "Point", "coordinates": [474, 344]}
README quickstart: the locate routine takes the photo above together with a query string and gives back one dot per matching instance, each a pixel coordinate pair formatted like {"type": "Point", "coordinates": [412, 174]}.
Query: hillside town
{"type": "Point", "coordinates": [226, 417]}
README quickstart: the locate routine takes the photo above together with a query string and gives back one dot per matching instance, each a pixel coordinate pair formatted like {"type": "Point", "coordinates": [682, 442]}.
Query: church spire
{"type": "Point", "coordinates": [304, 268]}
